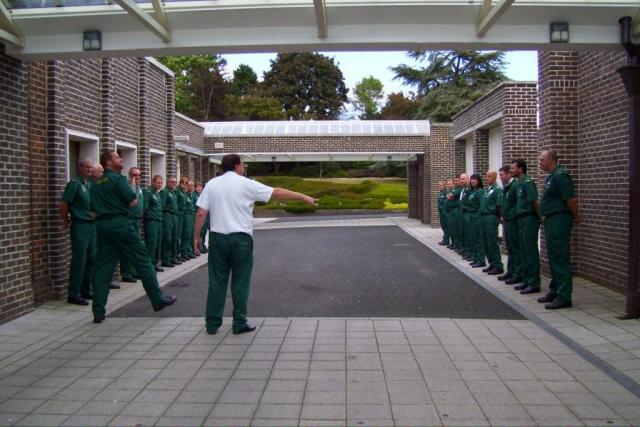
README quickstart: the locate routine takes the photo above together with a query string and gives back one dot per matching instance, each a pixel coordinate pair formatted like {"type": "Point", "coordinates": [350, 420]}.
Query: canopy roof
{"type": "Point", "coordinates": [395, 156]}
{"type": "Point", "coordinates": [46, 29]}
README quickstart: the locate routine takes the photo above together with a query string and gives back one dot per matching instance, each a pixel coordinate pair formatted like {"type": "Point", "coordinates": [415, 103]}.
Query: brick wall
{"type": "Point", "coordinates": [519, 125]}
{"type": "Point", "coordinates": [480, 151]}
{"type": "Point", "coordinates": [16, 293]}
{"type": "Point", "coordinates": [126, 118]}
{"type": "Point", "coordinates": [412, 183]}
{"type": "Point", "coordinates": [81, 82]}
{"type": "Point", "coordinates": [193, 131]}
{"type": "Point", "coordinates": [441, 154]}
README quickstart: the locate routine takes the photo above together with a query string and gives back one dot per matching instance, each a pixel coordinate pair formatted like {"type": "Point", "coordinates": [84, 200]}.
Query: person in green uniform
{"type": "Point", "coordinates": [510, 227]}
{"type": "Point", "coordinates": [127, 272]}
{"type": "Point", "coordinates": [186, 242]}
{"type": "Point", "coordinates": [442, 212]}
{"type": "Point", "coordinates": [490, 211]}
{"type": "Point", "coordinates": [475, 229]}
{"type": "Point", "coordinates": [205, 226]}
{"type": "Point", "coordinates": [467, 251]}
{"type": "Point", "coordinates": [180, 193]}
{"type": "Point", "coordinates": [153, 220]}
{"type": "Point", "coordinates": [111, 198]}
{"type": "Point", "coordinates": [528, 228]}
{"type": "Point", "coordinates": [169, 222]}
{"type": "Point", "coordinates": [453, 215]}
{"type": "Point", "coordinates": [559, 207]}
{"type": "Point", "coordinates": [75, 212]}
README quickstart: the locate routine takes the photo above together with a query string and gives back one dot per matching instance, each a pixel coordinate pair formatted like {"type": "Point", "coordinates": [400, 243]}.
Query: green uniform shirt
{"type": "Point", "coordinates": [188, 203]}
{"type": "Point", "coordinates": [491, 200]}
{"type": "Point", "coordinates": [557, 190]}
{"type": "Point", "coordinates": [442, 199]}
{"type": "Point", "coordinates": [473, 201]}
{"type": "Point", "coordinates": [169, 201]}
{"type": "Point", "coordinates": [527, 194]}
{"type": "Point", "coordinates": [111, 195]}
{"type": "Point", "coordinates": [77, 196]}
{"type": "Point", "coordinates": [510, 200]}
{"type": "Point", "coordinates": [136, 211]}
{"type": "Point", "coordinates": [181, 199]}
{"type": "Point", "coordinates": [464, 198]}
{"type": "Point", "coordinates": [152, 205]}
{"type": "Point", "coordinates": [454, 202]}
{"type": "Point", "coordinates": [196, 196]}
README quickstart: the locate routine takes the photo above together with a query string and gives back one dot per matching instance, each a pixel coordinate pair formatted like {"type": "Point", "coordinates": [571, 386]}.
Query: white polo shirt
{"type": "Point", "coordinates": [229, 199]}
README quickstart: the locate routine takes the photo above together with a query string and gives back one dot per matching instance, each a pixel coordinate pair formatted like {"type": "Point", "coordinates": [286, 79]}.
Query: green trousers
{"type": "Point", "coordinates": [117, 239]}
{"type": "Point", "coordinates": [453, 219]}
{"type": "Point", "coordinates": [512, 236]}
{"type": "Point", "coordinates": [186, 242]}
{"type": "Point", "coordinates": [169, 227]}
{"type": "Point", "coordinates": [153, 239]}
{"type": "Point", "coordinates": [528, 229]}
{"type": "Point", "coordinates": [230, 255]}
{"type": "Point", "coordinates": [204, 232]}
{"type": "Point", "coordinates": [490, 240]}
{"type": "Point", "coordinates": [178, 234]}
{"type": "Point", "coordinates": [126, 269]}
{"type": "Point", "coordinates": [467, 232]}
{"type": "Point", "coordinates": [444, 225]}
{"type": "Point", "coordinates": [477, 242]}
{"type": "Point", "coordinates": [83, 255]}
{"type": "Point", "coordinates": [557, 233]}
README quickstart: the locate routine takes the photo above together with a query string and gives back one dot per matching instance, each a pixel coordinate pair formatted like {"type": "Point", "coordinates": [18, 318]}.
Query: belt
{"type": "Point", "coordinates": [526, 214]}
{"type": "Point", "coordinates": [487, 214]}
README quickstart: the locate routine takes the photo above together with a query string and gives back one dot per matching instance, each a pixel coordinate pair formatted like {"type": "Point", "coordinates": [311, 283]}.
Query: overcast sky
{"type": "Point", "coordinates": [521, 66]}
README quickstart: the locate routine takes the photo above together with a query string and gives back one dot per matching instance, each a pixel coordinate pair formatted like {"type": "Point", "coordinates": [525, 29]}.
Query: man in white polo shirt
{"type": "Point", "coordinates": [229, 199]}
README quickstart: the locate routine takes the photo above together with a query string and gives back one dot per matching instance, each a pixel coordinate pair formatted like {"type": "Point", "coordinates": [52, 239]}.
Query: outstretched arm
{"type": "Point", "coordinates": [282, 194]}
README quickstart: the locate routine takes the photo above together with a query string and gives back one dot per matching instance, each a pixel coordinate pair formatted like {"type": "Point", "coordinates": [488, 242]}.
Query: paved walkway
{"type": "Point", "coordinates": [572, 367]}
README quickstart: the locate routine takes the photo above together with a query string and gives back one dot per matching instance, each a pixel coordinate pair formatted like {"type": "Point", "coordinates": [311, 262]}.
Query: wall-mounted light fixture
{"type": "Point", "coordinates": [274, 158]}
{"type": "Point", "coordinates": [559, 32]}
{"type": "Point", "coordinates": [92, 40]}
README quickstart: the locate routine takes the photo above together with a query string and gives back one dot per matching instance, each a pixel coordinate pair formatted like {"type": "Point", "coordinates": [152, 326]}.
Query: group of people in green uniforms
{"type": "Point", "coordinates": [105, 214]}
{"type": "Point", "coordinates": [470, 213]}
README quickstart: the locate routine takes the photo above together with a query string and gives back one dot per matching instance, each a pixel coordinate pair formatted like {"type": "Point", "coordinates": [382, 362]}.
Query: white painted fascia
{"type": "Point", "coordinates": [489, 122]}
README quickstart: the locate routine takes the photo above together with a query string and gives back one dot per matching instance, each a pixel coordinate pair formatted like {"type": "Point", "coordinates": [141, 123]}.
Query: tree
{"type": "Point", "coordinates": [200, 85]}
{"type": "Point", "coordinates": [244, 79]}
{"type": "Point", "coordinates": [367, 97]}
{"type": "Point", "coordinates": [254, 107]}
{"type": "Point", "coordinates": [399, 107]}
{"type": "Point", "coordinates": [308, 85]}
{"type": "Point", "coordinates": [451, 80]}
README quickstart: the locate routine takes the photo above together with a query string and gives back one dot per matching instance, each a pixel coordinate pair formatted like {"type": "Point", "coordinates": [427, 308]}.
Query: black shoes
{"type": "Point", "coordinates": [114, 286]}
{"type": "Point", "coordinates": [443, 243]}
{"type": "Point", "coordinates": [513, 281]}
{"type": "Point", "coordinates": [520, 287]}
{"type": "Point", "coordinates": [166, 301]}
{"type": "Point", "coordinates": [487, 269]}
{"type": "Point", "coordinates": [159, 270]}
{"type": "Point", "coordinates": [557, 303]}
{"type": "Point", "coordinates": [547, 298]}
{"type": "Point", "coordinates": [167, 264]}
{"type": "Point", "coordinates": [505, 276]}
{"type": "Point", "coordinates": [176, 262]}
{"type": "Point", "coordinates": [77, 301]}
{"type": "Point", "coordinates": [495, 271]}
{"type": "Point", "coordinates": [245, 328]}
{"type": "Point", "coordinates": [212, 331]}
{"type": "Point", "coordinates": [478, 265]}
{"type": "Point", "coordinates": [529, 290]}
{"type": "Point", "coordinates": [87, 296]}
{"type": "Point", "coordinates": [128, 280]}
{"type": "Point", "coordinates": [98, 318]}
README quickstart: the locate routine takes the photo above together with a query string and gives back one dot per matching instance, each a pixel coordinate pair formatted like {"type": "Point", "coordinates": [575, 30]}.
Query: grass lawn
{"type": "Point", "coordinates": [340, 193]}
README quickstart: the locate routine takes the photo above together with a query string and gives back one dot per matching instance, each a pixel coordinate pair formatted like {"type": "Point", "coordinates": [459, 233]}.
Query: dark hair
{"type": "Point", "coordinates": [229, 162]}
{"type": "Point", "coordinates": [478, 178]}
{"type": "Point", "coordinates": [553, 154]}
{"type": "Point", "coordinates": [520, 163]}
{"type": "Point", "coordinates": [105, 157]}
{"type": "Point", "coordinates": [505, 169]}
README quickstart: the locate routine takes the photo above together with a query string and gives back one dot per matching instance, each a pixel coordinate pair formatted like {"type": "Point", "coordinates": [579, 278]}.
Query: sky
{"type": "Point", "coordinates": [521, 66]}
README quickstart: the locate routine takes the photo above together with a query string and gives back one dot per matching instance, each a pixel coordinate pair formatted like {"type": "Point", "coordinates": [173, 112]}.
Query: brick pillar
{"type": "Point", "coordinates": [39, 182]}
{"type": "Point", "coordinates": [481, 151]}
{"type": "Point", "coordinates": [144, 145]}
{"type": "Point", "coordinates": [441, 153]}
{"type": "Point", "coordinates": [171, 111]}
{"type": "Point", "coordinates": [424, 203]}
{"type": "Point", "coordinates": [107, 134]}
{"type": "Point", "coordinates": [412, 182]}
{"type": "Point", "coordinates": [559, 124]}
{"type": "Point", "coordinates": [519, 126]}
{"type": "Point", "coordinates": [59, 253]}
{"type": "Point", "coordinates": [459, 165]}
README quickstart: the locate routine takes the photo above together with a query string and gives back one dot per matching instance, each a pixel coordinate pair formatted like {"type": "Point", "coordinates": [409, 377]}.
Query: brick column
{"type": "Point", "coordinates": [519, 126]}
{"type": "Point", "coordinates": [441, 153]}
{"type": "Point", "coordinates": [481, 151]}
{"type": "Point", "coordinates": [459, 165]}
{"type": "Point", "coordinates": [171, 110]}
{"type": "Point", "coordinates": [107, 134]}
{"type": "Point", "coordinates": [144, 145]}
{"type": "Point", "coordinates": [57, 164]}
{"type": "Point", "coordinates": [412, 183]}
{"type": "Point", "coordinates": [424, 204]}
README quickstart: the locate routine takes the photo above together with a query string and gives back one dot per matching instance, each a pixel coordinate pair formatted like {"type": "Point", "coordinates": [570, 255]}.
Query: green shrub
{"type": "Point", "coordinates": [299, 207]}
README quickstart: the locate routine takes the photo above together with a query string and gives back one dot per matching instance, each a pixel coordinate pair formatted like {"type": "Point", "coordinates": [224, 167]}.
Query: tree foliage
{"type": "Point", "coordinates": [200, 85]}
{"type": "Point", "coordinates": [367, 97]}
{"type": "Point", "coordinates": [400, 107]}
{"type": "Point", "coordinates": [451, 80]}
{"type": "Point", "coordinates": [308, 85]}
{"type": "Point", "coordinates": [254, 107]}
{"type": "Point", "coordinates": [245, 80]}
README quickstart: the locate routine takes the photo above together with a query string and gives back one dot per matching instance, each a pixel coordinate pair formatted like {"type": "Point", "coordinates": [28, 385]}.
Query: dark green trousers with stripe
{"type": "Point", "coordinates": [557, 234]}
{"type": "Point", "coordinates": [529, 228]}
{"type": "Point", "coordinates": [511, 235]}
{"type": "Point", "coordinates": [83, 255]}
{"type": "Point", "coordinates": [169, 228]}
{"type": "Point", "coordinates": [126, 269]}
{"type": "Point", "coordinates": [229, 255]}
{"type": "Point", "coordinates": [490, 240]}
{"type": "Point", "coordinates": [153, 239]}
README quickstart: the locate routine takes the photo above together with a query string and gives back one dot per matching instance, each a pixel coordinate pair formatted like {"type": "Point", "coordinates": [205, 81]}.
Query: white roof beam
{"type": "Point", "coordinates": [321, 18]}
{"type": "Point", "coordinates": [489, 15]}
{"type": "Point", "coordinates": [153, 25]}
{"type": "Point", "coordinates": [9, 31]}
{"type": "Point", "coordinates": [161, 16]}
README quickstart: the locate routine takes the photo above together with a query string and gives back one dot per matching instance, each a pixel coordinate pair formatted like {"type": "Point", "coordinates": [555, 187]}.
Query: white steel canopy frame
{"type": "Point", "coordinates": [236, 26]}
